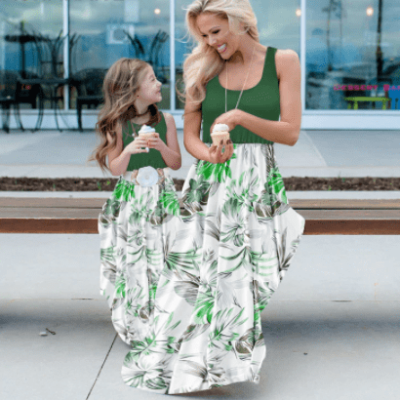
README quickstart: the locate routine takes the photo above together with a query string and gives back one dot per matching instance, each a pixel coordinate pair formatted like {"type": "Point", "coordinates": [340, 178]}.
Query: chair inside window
{"type": "Point", "coordinates": [9, 88]}
{"type": "Point", "coordinates": [89, 85]}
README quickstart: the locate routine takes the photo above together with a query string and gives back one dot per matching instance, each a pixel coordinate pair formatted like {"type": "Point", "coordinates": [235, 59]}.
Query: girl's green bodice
{"type": "Point", "coordinates": [261, 100]}
{"type": "Point", "coordinates": [153, 157]}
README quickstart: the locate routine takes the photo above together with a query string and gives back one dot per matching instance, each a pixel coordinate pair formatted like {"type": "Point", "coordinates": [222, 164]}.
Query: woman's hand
{"type": "Point", "coordinates": [229, 118]}
{"type": "Point", "coordinates": [156, 143]}
{"type": "Point", "coordinates": [138, 145]}
{"type": "Point", "coordinates": [215, 155]}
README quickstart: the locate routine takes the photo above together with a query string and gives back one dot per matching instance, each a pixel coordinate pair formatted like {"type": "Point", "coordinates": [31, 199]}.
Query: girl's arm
{"type": "Point", "coordinates": [118, 159]}
{"type": "Point", "coordinates": [170, 152]}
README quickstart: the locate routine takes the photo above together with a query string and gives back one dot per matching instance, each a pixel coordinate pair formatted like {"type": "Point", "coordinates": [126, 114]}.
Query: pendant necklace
{"type": "Point", "coordinates": [134, 134]}
{"type": "Point", "coordinates": [136, 116]}
{"type": "Point", "coordinates": [226, 91]}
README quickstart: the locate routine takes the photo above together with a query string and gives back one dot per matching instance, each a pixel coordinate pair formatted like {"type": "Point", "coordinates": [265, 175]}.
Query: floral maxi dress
{"type": "Point", "coordinates": [188, 277]}
{"type": "Point", "coordinates": [230, 248]}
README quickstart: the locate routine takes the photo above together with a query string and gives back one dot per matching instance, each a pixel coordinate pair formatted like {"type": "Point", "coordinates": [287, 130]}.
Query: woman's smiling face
{"type": "Point", "coordinates": [215, 32]}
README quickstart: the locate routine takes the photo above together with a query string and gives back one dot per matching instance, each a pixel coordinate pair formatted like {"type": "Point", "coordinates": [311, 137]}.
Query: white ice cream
{"type": "Point", "coordinates": [221, 128]}
{"type": "Point", "coordinates": [146, 129]}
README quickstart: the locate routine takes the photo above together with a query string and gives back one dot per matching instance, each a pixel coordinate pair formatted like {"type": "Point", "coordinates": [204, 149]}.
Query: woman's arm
{"type": "Point", "coordinates": [287, 130]}
{"type": "Point", "coordinates": [194, 145]}
{"type": "Point", "coordinates": [170, 152]}
{"type": "Point", "coordinates": [191, 132]}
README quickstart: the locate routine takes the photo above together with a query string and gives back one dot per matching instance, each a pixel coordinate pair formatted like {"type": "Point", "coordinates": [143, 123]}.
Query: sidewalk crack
{"type": "Point", "coordinates": [102, 365]}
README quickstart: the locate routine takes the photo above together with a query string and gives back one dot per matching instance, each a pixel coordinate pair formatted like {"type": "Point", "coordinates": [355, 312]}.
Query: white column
{"type": "Point", "coordinates": [303, 36]}
{"type": "Point", "coordinates": [66, 50]}
{"type": "Point", "coordinates": [172, 54]}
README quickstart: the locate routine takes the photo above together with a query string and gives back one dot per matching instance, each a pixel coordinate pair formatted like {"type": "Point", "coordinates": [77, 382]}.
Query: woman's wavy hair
{"type": "Point", "coordinates": [120, 85]}
{"type": "Point", "coordinates": [204, 62]}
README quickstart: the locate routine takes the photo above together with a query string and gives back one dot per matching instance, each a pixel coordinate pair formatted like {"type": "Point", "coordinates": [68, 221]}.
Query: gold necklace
{"type": "Point", "coordinates": [226, 91]}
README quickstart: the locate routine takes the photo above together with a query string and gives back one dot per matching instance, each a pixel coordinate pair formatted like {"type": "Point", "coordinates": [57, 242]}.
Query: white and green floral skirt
{"type": "Point", "coordinates": [189, 302]}
{"type": "Point", "coordinates": [132, 227]}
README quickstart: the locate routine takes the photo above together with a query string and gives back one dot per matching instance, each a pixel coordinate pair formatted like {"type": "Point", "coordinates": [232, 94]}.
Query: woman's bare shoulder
{"type": "Point", "coordinates": [284, 59]}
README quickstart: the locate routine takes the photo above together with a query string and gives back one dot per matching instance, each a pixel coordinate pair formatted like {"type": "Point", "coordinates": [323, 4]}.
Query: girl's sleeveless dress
{"type": "Point", "coordinates": [235, 239]}
{"type": "Point", "coordinates": [133, 225]}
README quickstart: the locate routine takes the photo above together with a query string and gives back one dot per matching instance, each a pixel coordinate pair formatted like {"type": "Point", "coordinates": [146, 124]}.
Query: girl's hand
{"type": "Point", "coordinates": [215, 154]}
{"type": "Point", "coordinates": [156, 143]}
{"type": "Point", "coordinates": [138, 145]}
{"type": "Point", "coordinates": [229, 118]}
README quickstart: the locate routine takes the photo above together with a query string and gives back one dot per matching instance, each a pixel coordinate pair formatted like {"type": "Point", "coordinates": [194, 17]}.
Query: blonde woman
{"type": "Point", "coordinates": [238, 233]}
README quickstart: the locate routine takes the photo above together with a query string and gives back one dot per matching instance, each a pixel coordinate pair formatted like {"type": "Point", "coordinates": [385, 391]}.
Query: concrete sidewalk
{"type": "Point", "coordinates": [332, 330]}
{"type": "Point", "coordinates": [317, 153]}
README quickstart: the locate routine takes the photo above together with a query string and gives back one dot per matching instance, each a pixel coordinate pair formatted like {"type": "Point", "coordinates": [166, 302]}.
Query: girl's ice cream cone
{"type": "Point", "coordinates": [220, 131]}
{"type": "Point", "coordinates": [147, 132]}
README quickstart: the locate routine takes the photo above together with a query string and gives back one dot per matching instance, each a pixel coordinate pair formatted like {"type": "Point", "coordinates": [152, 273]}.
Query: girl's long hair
{"type": "Point", "coordinates": [204, 62]}
{"type": "Point", "coordinates": [120, 85]}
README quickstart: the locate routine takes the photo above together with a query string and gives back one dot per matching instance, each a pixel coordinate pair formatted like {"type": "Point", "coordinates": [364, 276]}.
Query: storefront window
{"type": "Point", "coordinates": [105, 31]}
{"type": "Point", "coordinates": [353, 49]}
{"type": "Point", "coordinates": [31, 46]}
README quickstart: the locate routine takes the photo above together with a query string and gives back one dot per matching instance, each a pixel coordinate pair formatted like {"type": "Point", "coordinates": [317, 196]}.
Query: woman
{"type": "Point", "coordinates": [238, 233]}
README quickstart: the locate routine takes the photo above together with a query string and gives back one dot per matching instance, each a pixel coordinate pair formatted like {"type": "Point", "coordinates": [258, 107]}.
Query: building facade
{"type": "Point", "coordinates": [349, 52]}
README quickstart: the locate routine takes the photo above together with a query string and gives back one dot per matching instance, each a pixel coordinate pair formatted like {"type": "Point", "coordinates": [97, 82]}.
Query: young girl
{"type": "Point", "coordinates": [140, 214]}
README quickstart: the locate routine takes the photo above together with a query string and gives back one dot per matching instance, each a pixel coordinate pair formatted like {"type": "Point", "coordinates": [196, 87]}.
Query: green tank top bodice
{"type": "Point", "coordinates": [261, 100]}
{"type": "Point", "coordinates": [153, 157]}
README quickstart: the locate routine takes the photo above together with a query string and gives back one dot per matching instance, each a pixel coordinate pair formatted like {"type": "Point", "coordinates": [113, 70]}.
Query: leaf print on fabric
{"type": "Point", "coordinates": [197, 189]}
{"type": "Point", "coordinates": [141, 208]}
{"type": "Point", "coordinates": [245, 345]}
{"type": "Point", "coordinates": [218, 172]}
{"type": "Point", "coordinates": [108, 271]}
{"type": "Point", "coordinates": [143, 374]}
{"type": "Point", "coordinates": [194, 196]}
{"type": "Point", "coordinates": [224, 331]}
{"type": "Point", "coordinates": [156, 342]}
{"type": "Point", "coordinates": [120, 286]}
{"type": "Point", "coordinates": [124, 190]}
{"type": "Point", "coordinates": [108, 254]}
{"type": "Point", "coordinates": [212, 228]}
{"type": "Point", "coordinates": [193, 274]}
{"type": "Point", "coordinates": [242, 192]}
{"type": "Point", "coordinates": [170, 203]}
{"type": "Point", "coordinates": [182, 261]}
{"type": "Point", "coordinates": [203, 308]}
{"type": "Point", "coordinates": [183, 283]}
{"type": "Point", "coordinates": [234, 223]}
{"type": "Point", "coordinates": [193, 331]}
{"type": "Point", "coordinates": [208, 370]}
{"type": "Point", "coordinates": [254, 262]}
{"type": "Point", "coordinates": [262, 293]}
{"type": "Point", "coordinates": [284, 255]}
{"type": "Point", "coordinates": [112, 207]}
{"type": "Point", "coordinates": [275, 181]}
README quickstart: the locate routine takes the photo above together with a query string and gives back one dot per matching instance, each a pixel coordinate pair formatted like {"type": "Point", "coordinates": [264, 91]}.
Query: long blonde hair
{"type": "Point", "coordinates": [204, 62]}
{"type": "Point", "coordinates": [122, 81]}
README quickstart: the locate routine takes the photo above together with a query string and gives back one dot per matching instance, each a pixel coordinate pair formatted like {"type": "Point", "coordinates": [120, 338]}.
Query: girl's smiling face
{"type": "Point", "coordinates": [215, 32]}
{"type": "Point", "coordinates": [150, 89]}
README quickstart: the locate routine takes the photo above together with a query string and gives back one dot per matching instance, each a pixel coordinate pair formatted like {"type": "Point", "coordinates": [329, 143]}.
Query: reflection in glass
{"type": "Point", "coordinates": [108, 30]}
{"type": "Point", "coordinates": [28, 30]}
{"type": "Point", "coordinates": [353, 57]}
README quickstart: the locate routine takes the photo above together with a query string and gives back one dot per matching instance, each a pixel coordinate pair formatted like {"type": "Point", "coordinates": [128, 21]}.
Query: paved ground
{"type": "Point", "coordinates": [317, 153]}
{"type": "Point", "coordinates": [332, 330]}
